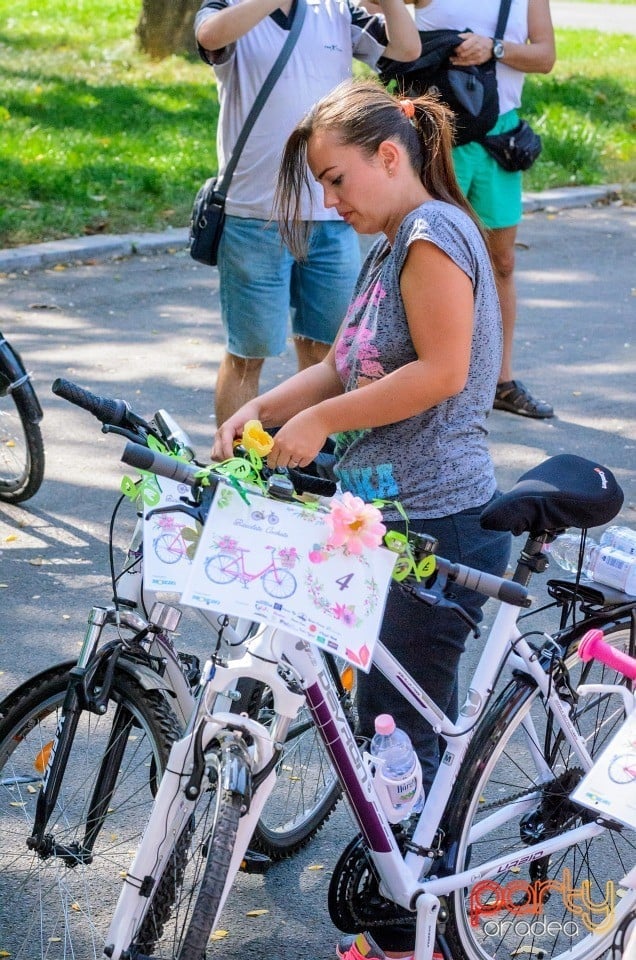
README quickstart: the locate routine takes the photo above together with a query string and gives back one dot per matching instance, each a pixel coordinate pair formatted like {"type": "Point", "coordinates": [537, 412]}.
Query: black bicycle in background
{"type": "Point", "coordinates": [21, 445]}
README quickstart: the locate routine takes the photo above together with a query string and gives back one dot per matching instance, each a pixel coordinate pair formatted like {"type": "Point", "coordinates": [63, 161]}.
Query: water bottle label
{"type": "Point", "coordinates": [612, 568]}
{"type": "Point", "coordinates": [403, 791]}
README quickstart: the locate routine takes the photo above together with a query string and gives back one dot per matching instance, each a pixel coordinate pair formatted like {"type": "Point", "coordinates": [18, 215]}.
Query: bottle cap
{"type": "Point", "coordinates": [384, 724]}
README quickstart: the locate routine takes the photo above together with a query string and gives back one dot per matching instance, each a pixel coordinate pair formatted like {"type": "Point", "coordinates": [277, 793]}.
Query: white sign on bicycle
{"type": "Point", "coordinates": [169, 540]}
{"type": "Point", "coordinates": [610, 786]}
{"type": "Point", "coordinates": [268, 561]}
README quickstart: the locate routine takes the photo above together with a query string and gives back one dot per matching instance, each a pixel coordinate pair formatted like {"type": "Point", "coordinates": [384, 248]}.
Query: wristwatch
{"type": "Point", "coordinates": [497, 48]}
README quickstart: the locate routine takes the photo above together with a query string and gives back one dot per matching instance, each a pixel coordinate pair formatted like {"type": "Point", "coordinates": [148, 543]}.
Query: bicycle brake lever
{"type": "Point", "coordinates": [123, 432]}
{"type": "Point", "coordinates": [433, 598]}
{"type": "Point", "coordinates": [195, 512]}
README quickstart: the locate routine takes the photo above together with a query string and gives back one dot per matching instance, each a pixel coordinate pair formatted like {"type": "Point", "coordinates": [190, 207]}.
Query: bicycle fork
{"type": "Point", "coordinates": [79, 698]}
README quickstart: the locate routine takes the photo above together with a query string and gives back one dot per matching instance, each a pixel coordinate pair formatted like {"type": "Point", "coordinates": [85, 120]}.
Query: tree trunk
{"type": "Point", "coordinates": [165, 27]}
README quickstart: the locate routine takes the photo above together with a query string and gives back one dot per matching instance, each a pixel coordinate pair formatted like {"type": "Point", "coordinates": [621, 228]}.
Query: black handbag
{"type": "Point", "coordinates": [208, 210]}
{"type": "Point", "coordinates": [515, 150]}
{"type": "Point", "coordinates": [206, 223]}
{"type": "Point", "coordinates": [470, 92]}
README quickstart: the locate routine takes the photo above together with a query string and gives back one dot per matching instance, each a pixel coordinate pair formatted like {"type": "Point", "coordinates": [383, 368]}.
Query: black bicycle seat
{"type": "Point", "coordinates": [564, 491]}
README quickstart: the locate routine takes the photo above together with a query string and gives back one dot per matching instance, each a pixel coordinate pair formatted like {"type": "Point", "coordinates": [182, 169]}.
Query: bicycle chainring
{"type": "Point", "coordinates": [355, 902]}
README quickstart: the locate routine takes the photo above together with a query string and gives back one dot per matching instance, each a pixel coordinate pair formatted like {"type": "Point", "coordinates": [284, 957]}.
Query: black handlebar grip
{"type": "Point", "coordinates": [307, 483]}
{"type": "Point", "coordinates": [489, 585]}
{"type": "Point", "coordinates": [106, 410]}
{"type": "Point", "coordinates": [136, 455]}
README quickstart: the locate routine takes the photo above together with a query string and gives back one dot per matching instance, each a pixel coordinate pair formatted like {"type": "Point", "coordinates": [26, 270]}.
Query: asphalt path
{"type": "Point", "coordinates": [147, 329]}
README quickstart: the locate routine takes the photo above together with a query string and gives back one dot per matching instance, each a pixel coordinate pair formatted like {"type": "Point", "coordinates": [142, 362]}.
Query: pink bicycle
{"type": "Point", "coordinates": [170, 546]}
{"type": "Point", "coordinates": [277, 581]}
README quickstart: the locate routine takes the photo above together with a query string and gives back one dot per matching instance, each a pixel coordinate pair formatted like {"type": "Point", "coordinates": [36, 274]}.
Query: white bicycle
{"type": "Point", "coordinates": [501, 861]}
{"type": "Point", "coordinates": [83, 745]}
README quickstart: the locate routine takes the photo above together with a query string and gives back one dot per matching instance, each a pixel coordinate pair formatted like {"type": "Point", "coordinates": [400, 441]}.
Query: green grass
{"type": "Point", "coordinates": [585, 111]}
{"type": "Point", "coordinates": [94, 137]}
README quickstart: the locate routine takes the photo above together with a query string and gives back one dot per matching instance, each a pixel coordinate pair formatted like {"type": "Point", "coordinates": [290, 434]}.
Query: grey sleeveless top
{"type": "Point", "coordinates": [436, 463]}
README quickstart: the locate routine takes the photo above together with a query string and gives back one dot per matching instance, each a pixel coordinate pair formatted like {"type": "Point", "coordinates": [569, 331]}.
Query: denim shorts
{"type": "Point", "coordinates": [261, 285]}
{"type": "Point", "coordinates": [494, 193]}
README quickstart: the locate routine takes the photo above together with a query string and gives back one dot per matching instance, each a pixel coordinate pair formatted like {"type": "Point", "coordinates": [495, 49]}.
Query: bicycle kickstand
{"type": "Point", "coordinates": [427, 907]}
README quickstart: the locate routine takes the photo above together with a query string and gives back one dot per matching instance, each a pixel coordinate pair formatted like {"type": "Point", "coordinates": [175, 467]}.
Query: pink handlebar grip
{"type": "Point", "coordinates": [593, 646]}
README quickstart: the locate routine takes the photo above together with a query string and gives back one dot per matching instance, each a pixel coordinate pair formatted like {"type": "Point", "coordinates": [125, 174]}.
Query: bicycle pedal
{"type": "Point", "coordinates": [254, 862]}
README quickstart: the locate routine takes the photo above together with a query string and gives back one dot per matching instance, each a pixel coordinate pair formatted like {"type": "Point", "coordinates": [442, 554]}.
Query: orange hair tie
{"type": "Point", "coordinates": [408, 108]}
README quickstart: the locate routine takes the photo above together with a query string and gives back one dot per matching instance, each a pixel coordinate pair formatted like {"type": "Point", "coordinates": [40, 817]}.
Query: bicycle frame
{"type": "Point", "coordinates": [271, 652]}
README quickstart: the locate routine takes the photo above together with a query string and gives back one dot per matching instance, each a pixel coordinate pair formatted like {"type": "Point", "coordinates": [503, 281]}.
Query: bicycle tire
{"type": "Point", "coordinates": [21, 451]}
{"type": "Point", "coordinates": [497, 808]}
{"type": "Point", "coordinates": [49, 909]}
{"type": "Point", "coordinates": [185, 901]}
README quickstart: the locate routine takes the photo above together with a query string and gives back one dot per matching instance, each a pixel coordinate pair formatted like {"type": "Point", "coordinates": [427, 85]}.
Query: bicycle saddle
{"type": "Point", "coordinates": [564, 491]}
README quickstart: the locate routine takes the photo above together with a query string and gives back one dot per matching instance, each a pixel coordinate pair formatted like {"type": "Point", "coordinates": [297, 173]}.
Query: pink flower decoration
{"type": "Point", "coordinates": [354, 524]}
{"type": "Point", "coordinates": [317, 556]}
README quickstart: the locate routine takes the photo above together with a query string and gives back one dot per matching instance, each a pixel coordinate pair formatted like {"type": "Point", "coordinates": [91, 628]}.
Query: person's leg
{"type": "Point", "coordinates": [236, 382]}
{"type": "Point", "coordinates": [495, 195]}
{"type": "Point", "coordinates": [501, 246]}
{"type": "Point", "coordinates": [254, 285]}
{"type": "Point", "coordinates": [428, 641]}
{"type": "Point", "coordinates": [321, 289]}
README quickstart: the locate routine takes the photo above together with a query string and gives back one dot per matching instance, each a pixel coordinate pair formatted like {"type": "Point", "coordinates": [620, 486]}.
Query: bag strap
{"type": "Point", "coordinates": [263, 94]}
{"type": "Point", "coordinates": [502, 20]}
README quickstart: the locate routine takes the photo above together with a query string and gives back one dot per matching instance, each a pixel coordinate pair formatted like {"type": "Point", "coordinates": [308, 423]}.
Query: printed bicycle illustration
{"type": "Point", "coordinates": [276, 577]}
{"type": "Point", "coordinates": [622, 769]}
{"type": "Point", "coordinates": [171, 546]}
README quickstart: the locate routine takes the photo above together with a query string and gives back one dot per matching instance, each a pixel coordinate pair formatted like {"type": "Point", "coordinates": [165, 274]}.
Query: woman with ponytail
{"type": "Point", "coordinates": [406, 389]}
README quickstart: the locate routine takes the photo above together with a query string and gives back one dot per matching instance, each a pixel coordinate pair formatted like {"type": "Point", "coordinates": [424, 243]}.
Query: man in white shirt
{"type": "Point", "coordinates": [260, 282]}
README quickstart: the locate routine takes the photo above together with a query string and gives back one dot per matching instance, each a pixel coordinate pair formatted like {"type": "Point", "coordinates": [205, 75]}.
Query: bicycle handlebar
{"type": "Point", "coordinates": [594, 647]}
{"type": "Point", "coordinates": [485, 583]}
{"type": "Point", "coordinates": [136, 455]}
{"type": "Point", "coordinates": [106, 410]}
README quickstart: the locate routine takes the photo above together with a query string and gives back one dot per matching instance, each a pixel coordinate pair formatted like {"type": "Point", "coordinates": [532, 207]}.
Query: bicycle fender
{"type": "Point", "coordinates": [147, 678]}
{"type": "Point", "coordinates": [32, 683]}
{"type": "Point", "coordinates": [14, 379]}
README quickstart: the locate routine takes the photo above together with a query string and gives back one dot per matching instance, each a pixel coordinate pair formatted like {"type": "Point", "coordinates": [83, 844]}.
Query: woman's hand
{"type": "Point", "coordinates": [474, 50]}
{"type": "Point", "coordinates": [231, 430]}
{"type": "Point", "coordinates": [298, 442]}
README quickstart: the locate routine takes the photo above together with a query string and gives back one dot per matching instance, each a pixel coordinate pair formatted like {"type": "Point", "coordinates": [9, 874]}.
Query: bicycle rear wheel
{"type": "Point", "coordinates": [50, 906]}
{"type": "Point", "coordinates": [21, 451]}
{"type": "Point", "coordinates": [514, 792]}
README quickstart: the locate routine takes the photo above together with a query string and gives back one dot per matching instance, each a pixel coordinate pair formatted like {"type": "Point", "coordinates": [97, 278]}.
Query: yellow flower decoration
{"type": "Point", "coordinates": [256, 439]}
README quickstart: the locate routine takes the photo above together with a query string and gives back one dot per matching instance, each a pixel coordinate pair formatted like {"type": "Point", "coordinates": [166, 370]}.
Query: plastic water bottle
{"type": "Point", "coordinates": [622, 538]}
{"type": "Point", "coordinates": [398, 774]}
{"type": "Point", "coordinates": [566, 549]}
{"type": "Point", "coordinates": [602, 563]}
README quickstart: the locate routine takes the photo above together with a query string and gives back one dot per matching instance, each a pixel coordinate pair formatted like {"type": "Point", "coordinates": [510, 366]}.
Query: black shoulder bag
{"type": "Point", "coordinates": [208, 212]}
{"type": "Point", "coordinates": [516, 149]}
{"type": "Point", "coordinates": [470, 92]}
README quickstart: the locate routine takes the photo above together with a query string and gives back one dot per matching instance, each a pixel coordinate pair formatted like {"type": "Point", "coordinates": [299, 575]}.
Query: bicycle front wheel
{"type": "Point", "coordinates": [56, 903]}
{"type": "Point", "coordinates": [519, 774]}
{"type": "Point", "coordinates": [279, 583]}
{"type": "Point", "coordinates": [21, 451]}
{"type": "Point", "coordinates": [186, 899]}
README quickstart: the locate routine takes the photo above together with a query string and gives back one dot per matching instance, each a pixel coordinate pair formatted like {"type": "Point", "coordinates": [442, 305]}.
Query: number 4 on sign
{"type": "Point", "coordinates": [343, 582]}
